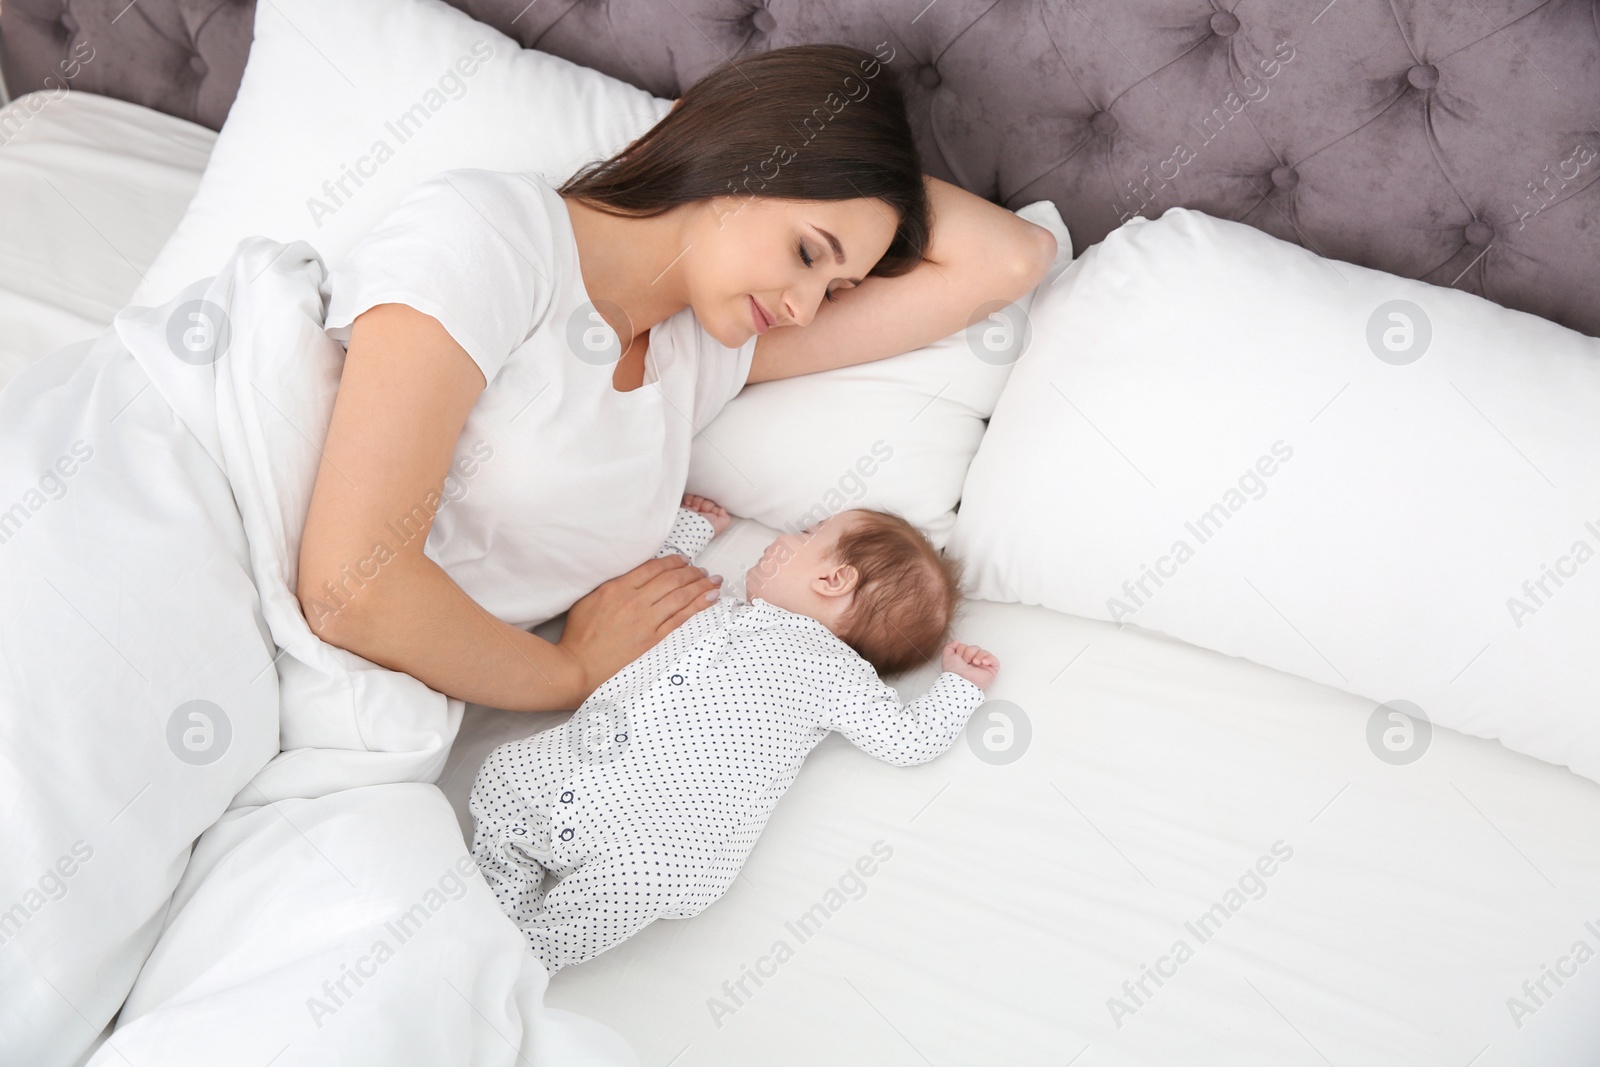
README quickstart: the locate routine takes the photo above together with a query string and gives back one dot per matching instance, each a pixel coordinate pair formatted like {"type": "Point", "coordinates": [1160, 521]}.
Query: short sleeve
{"type": "Point", "coordinates": [471, 247]}
{"type": "Point", "coordinates": [720, 371]}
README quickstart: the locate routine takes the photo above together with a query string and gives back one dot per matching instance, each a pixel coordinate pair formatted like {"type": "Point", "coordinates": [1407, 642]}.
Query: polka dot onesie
{"type": "Point", "coordinates": [645, 804]}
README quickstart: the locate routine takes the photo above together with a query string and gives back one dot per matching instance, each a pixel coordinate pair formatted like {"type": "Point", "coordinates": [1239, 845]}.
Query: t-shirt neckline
{"type": "Point", "coordinates": [652, 352]}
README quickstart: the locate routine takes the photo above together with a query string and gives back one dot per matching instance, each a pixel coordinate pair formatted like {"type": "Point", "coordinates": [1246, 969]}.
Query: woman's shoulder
{"type": "Point", "coordinates": [498, 197]}
{"type": "Point", "coordinates": [468, 219]}
{"type": "Point", "coordinates": [719, 371]}
{"type": "Point", "coordinates": [477, 249]}
{"type": "Point", "coordinates": [527, 183]}
{"type": "Point", "coordinates": [478, 221]}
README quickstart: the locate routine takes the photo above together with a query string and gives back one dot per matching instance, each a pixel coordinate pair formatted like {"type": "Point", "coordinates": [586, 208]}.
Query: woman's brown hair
{"type": "Point", "coordinates": [809, 122]}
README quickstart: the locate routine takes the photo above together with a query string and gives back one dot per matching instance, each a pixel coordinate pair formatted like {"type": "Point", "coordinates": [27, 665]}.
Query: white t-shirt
{"type": "Point", "coordinates": [559, 482]}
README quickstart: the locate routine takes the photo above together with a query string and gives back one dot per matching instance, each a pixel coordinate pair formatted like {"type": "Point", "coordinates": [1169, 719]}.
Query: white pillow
{"type": "Point", "coordinates": [1402, 480]}
{"type": "Point", "coordinates": [379, 95]}
{"type": "Point", "coordinates": [895, 434]}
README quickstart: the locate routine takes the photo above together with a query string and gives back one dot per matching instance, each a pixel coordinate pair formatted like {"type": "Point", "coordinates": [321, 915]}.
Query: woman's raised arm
{"type": "Point", "coordinates": [979, 252]}
{"type": "Point", "coordinates": [403, 399]}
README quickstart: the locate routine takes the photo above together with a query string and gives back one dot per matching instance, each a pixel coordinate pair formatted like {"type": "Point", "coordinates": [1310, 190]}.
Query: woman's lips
{"type": "Point", "coordinates": [759, 317]}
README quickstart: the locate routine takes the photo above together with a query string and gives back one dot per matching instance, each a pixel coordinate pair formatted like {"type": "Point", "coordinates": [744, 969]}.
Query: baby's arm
{"type": "Point", "coordinates": [698, 521]}
{"type": "Point", "coordinates": [691, 533]}
{"type": "Point", "coordinates": [869, 713]}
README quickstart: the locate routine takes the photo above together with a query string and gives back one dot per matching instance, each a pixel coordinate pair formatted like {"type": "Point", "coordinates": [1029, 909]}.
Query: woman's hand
{"type": "Point", "coordinates": [625, 617]}
{"type": "Point", "coordinates": [720, 519]}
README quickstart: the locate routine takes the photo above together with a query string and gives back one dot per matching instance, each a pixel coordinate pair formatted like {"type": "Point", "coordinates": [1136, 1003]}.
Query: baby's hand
{"type": "Point", "coordinates": [971, 662]}
{"type": "Point", "coordinates": [720, 519]}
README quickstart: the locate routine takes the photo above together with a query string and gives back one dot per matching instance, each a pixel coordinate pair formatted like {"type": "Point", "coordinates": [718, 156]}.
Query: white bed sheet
{"type": "Point", "coordinates": [90, 189]}
{"type": "Point", "coordinates": [1019, 899]}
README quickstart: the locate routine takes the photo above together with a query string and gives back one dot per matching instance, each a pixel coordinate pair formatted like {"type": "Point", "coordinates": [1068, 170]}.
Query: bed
{"type": "Point", "coordinates": [1023, 903]}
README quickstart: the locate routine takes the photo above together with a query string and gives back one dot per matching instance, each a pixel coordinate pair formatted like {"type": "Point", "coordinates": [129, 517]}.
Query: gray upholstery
{"type": "Point", "coordinates": [1450, 140]}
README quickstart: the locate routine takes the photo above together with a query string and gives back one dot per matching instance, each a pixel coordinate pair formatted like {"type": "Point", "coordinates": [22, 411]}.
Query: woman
{"type": "Point", "coordinates": [557, 350]}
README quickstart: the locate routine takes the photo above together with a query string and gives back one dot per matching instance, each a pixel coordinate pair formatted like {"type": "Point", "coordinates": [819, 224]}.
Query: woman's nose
{"type": "Point", "coordinates": [802, 309]}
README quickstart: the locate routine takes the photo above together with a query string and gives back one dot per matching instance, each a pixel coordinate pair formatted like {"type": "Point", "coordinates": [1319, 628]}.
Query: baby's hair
{"type": "Point", "coordinates": [906, 594]}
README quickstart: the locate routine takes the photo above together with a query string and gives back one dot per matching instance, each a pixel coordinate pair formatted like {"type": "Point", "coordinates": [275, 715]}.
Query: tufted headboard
{"type": "Point", "coordinates": [1456, 141]}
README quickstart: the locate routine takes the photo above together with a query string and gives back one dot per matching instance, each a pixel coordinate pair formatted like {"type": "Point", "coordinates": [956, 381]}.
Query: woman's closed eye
{"type": "Point", "coordinates": [805, 258]}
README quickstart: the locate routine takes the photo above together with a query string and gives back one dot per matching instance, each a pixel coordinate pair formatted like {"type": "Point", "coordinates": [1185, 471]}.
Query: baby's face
{"type": "Point", "coordinates": [786, 572]}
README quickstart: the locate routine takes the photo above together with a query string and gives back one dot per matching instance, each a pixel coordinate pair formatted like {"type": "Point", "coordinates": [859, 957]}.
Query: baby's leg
{"type": "Point", "coordinates": [511, 843]}
{"type": "Point", "coordinates": [620, 884]}
{"type": "Point", "coordinates": [612, 893]}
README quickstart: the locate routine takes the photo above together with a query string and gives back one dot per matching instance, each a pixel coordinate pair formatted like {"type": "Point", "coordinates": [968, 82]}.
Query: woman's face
{"type": "Point", "coordinates": [755, 248]}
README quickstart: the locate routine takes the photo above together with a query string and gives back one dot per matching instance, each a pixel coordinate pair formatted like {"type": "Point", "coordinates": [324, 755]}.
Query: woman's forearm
{"type": "Point", "coordinates": [412, 617]}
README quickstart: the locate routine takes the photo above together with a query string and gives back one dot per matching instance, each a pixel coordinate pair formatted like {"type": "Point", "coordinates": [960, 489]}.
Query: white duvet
{"type": "Point", "coordinates": [352, 929]}
{"type": "Point", "coordinates": [153, 660]}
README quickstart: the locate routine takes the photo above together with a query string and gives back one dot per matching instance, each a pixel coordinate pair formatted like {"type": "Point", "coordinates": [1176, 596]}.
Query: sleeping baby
{"type": "Point", "coordinates": [645, 804]}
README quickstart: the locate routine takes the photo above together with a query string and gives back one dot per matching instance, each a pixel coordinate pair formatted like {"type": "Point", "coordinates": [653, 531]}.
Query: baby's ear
{"type": "Point", "coordinates": [838, 581]}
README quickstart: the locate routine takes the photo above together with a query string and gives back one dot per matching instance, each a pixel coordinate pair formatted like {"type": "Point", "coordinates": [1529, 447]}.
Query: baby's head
{"type": "Point", "coordinates": [870, 577]}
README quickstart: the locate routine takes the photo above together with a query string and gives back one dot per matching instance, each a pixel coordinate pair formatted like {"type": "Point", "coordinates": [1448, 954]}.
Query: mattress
{"type": "Point", "coordinates": [92, 188]}
{"type": "Point", "coordinates": [1193, 859]}
{"type": "Point", "coordinates": [1031, 912]}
